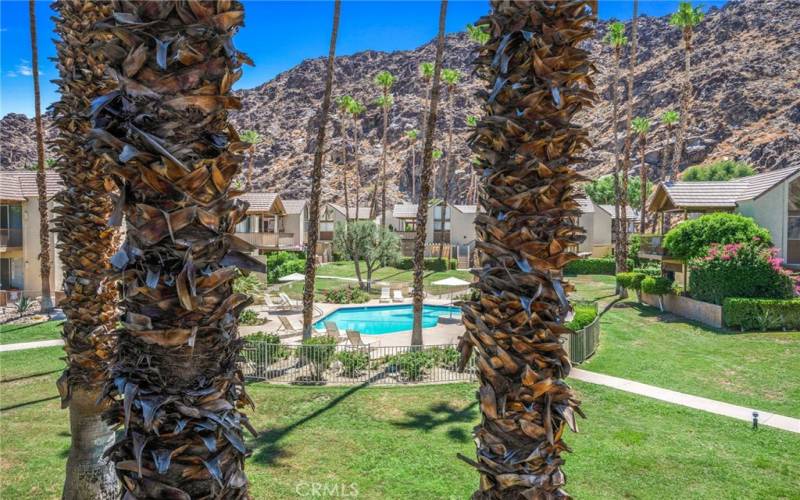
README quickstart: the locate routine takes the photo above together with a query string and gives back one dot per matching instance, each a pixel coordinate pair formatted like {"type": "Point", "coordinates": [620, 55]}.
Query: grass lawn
{"type": "Point", "coordinates": [401, 443]}
{"type": "Point", "coordinates": [345, 269]}
{"type": "Point", "coordinates": [11, 334]}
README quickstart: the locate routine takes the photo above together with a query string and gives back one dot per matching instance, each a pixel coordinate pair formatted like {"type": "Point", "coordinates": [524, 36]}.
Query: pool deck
{"type": "Point", "coordinates": [436, 335]}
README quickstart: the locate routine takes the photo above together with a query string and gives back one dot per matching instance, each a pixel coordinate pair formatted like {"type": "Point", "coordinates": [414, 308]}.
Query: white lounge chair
{"type": "Point", "coordinates": [291, 304]}
{"type": "Point", "coordinates": [385, 294]}
{"type": "Point", "coordinates": [289, 325]}
{"type": "Point", "coordinates": [397, 296]}
{"type": "Point", "coordinates": [354, 337]}
{"type": "Point", "coordinates": [332, 330]}
{"type": "Point", "coordinates": [274, 306]}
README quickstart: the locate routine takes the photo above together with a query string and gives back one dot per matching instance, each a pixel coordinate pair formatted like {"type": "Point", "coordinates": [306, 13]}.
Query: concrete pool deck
{"type": "Point", "coordinates": [442, 334]}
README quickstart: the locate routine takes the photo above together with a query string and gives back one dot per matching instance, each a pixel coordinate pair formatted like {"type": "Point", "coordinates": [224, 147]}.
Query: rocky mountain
{"type": "Point", "coordinates": [746, 102]}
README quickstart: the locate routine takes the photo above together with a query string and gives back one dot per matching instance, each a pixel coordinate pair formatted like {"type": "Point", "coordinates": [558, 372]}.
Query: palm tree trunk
{"type": "Point", "coordinates": [41, 175]}
{"type": "Point", "coordinates": [529, 220]}
{"type": "Point", "coordinates": [316, 184]}
{"type": "Point", "coordinates": [86, 244]}
{"type": "Point", "coordinates": [179, 390]}
{"type": "Point", "coordinates": [686, 97]}
{"type": "Point", "coordinates": [643, 180]}
{"type": "Point", "coordinates": [383, 157]}
{"type": "Point", "coordinates": [619, 205]}
{"type": "Point", "coordinates": [356, 165]}
{"type": "Point", "coordinates": [413, 171]}
{"type": "Point", "coordinates": [425, 182]}
{"type": "Point", "coordinates": [252, 156]}
{"type": "Point", "coordinates": [447, 169]}
{"type": "Point", "coordinates": [667, 165]}
{"type": "Point", "coordinates": [627, 153]}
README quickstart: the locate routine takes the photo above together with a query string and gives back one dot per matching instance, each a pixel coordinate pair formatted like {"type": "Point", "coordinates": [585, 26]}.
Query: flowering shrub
{"type": "Point", "coordinates": [692, 238]}
{"type": "Point", "coordinates": [740, 270]}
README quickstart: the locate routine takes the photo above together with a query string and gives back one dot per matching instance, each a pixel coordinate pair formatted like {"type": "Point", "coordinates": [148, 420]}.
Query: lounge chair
{"type": "Point", "coordinates": [397, 296]}
{"type": "Point", "coordinates": [273, 306]}
{"type": "Point", "coordinates": [354, 336]}
{"type": "Point", "coordinates": [288, 325]}
{"type": "Point", "coordinates": [332, 330]}
{"type": "Point", "coordinates": [385, 294]}
{"type": "Point", "coordinates": [291, 304]}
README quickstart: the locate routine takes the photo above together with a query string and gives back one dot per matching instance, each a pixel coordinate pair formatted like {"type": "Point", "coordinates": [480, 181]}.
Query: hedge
{"type": "Point", "coordinates": [692, 238]}
{"type": "Point", "coordinates": [657, 286]}
{"type": "Point", "coordinates": [430, 264]}
{"type": "Point", "coordinates": [761, 314]}
{"type": "Point", "coordinates": [591, 266]}
{"type": "Point", "coordinates": [631, 281]}
{"type": "Point", "coordinates": [583, 317]}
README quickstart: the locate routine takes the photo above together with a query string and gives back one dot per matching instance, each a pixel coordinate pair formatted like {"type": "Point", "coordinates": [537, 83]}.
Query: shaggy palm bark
{"type": "Point", "coordinates": [527, 144]}
{"type": "Point", "coordinates": [316, 185]}
{"type": "Point", "coordinates": [426, 178]}
{"type": "Point", "coordinates": [41, 177]}
{"type": "Point", "coordinates": [686, 98]}
{"type": "Point", "coordinates": [448, 168]}
{"type": "Point", "coordinates": [86, 243]}
{"type": "Point", "coordinates": [619, 229]}
{"type": "Point", "coordinates": [628, 148]}
{"type": "Point", "coordinates": [165, 132]}
{"type": "Point", "coordinates": [643, 181]}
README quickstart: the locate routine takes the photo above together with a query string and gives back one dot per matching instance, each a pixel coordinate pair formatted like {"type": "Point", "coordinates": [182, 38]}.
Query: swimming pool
{"type": "Point", "coordinates": [385, 319]}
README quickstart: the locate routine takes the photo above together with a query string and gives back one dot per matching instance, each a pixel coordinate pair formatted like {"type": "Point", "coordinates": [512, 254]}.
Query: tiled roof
{"type": "Point", "coordinates": [630, 212]}
{"type": "Point", "coordinates": [724, 194]}
{"type": "Point", "coordinates": [259, 201]}
{"type": "Point", "coordinates": [363, 212]}
{"type": "Point", "coordinates": [294, 207]}
{"type": "Point", "coordinates": [466, 209]}
{"type": "Point", "coordinates": [21, 184]}
{"type": "Point", "coordinates": [404, 211]}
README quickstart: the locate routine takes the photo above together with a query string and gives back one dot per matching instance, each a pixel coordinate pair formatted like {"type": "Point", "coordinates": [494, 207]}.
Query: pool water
{"type": "Point", "coordinates": [385, 319]}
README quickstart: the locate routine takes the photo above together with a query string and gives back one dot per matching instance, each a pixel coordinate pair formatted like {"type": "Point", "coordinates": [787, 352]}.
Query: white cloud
{"type": "Point", "coordinates": [22, 69]}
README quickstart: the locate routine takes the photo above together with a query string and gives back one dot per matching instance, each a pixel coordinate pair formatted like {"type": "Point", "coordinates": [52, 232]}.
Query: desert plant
{"type": "Point", "coordinates": [274, 350]}
{"type": "Point", "coordinates": [353, 362]}
{"type": "Point", "coordinates": [318, 353]}
{"type": "Point", "coordinates": [248, 284]}
{"type": "Point", "coordinates": [412, 365]}
{"type": "Point", "coordinates": [248, 317]}
{"type": "Point", "coordinates": [723, 170]}
{"type": "Point", "coordinates": [692, 238]}
{"type": "Point", "coordinates": [22, 306]}
{"type": "Point", "coordinates": [536, 70]}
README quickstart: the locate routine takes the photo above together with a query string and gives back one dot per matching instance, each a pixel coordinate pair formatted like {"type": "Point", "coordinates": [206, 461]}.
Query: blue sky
{"type": "Point", "coordinates": [277, 35]}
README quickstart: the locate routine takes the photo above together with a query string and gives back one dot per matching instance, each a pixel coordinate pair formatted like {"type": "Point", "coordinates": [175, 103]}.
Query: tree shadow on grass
{"type": "Point", "coordinates": [268, 449]}
{"type": "Point", "coordinates": [28, 325]}
{"type": "Point", "coordinates": [647, 311]}
{"type": "Point", "coordinates": [440, 414]}
{"type": "Point", "coordinates": [27, 403]}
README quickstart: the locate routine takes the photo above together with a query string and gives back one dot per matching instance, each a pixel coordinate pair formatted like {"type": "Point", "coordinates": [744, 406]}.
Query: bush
{"type": "Point", "coordinates": [737, 270]}
{"type": "Point", "coordinates": [248, 317]}
{"type": "Point", "coordinates": [429, 264]}
{"type": "Point", "coordinates": [634, 244]}
{"type": "Point", "coordinates": [319, 353]}
{"type": "Point", "coordinates": [274, 350]}
{"type": "Point", "coordinates": [691, 239]}
{"type": "Point", "coordinates": [347, 295]}
{"type": "Point", "coordinates": [723, 170]}
{"type": "Point", "coordinates": [657, 285]}
{"type": "Point", "coordinates": [583, 317]}
{"type": "Point", "coordinates": [282, 263]}
{"type": "Point", "coordinates": [761, 314]}
{"type": "Point", "coordinates": [248, 285]}
{"type": "Point", "coordinates": [649, 270]}
{"type": "Point", "coordinates": [630, 281]}
{"type": "Point", "coordinates": [412, 364]}
{"type": "Point", "coordinates": [591, 266]}
{"type": "Point", "coordinates": [353, 362]}
{"type": "Point", "coordinates": [445, 357]}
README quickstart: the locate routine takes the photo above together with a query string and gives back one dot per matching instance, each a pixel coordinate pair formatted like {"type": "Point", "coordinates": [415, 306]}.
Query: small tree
{"type": "Point", "coordinates": [254, 139]}
{"type": "Point", "coordinates": [668, 118]}
{"type": "Point", "coordinates": [641, 126]}
{"type": "Point", "coordinates": [601, 191]}
{"type": "Point", "coordinates": [723, 170]}
{"type": "Point", "coordinates": [364, 240]}
{"type": "Point", "coordinates": [384, 80]}
{"type": "Point", "coordinates": [692, 238]}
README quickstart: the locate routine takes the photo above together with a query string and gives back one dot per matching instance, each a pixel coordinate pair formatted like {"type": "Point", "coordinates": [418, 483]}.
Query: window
{"type": "Point", "coordinates": [11, 274]}
{"type": "Point", "coordinates": [410, 225]}
{"type": "Point", "coordinates": [438, 210]}
{"type": "Point", "coordinates": [11, 225]}
{"type": "Point", "coordinates": [794, 226]}
{"type": "Point", "coordinates": [326, 226]}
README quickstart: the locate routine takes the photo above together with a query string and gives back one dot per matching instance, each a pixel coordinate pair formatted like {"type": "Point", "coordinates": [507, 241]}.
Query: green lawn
{"type": "Point", "coordinates": [11, 334]}
{"type": "Point", "coordinates": [401, 442]}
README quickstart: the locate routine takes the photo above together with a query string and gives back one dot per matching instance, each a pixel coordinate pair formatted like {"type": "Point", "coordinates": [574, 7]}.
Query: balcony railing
{"type": "Point", "coordinates": [10, 238]}
{"type": "Point", "coordinates": [268, 240]}
{"type": "Point", "coordinates": [406, 235]}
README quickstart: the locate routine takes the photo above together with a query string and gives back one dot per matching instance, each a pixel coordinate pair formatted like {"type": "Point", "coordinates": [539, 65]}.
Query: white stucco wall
{"type": "Point", "coordinates": [770, 212]}
{"type": "Point", "coordinates": [31, 249]}
{"type": "Point", "coordinates": [462, 227]}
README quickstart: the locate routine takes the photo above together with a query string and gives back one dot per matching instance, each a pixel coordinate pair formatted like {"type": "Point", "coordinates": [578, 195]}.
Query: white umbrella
{"type": "Point", "coordinates": [451, 282]}
{"type": "Point", "coordinates": [292, 277]}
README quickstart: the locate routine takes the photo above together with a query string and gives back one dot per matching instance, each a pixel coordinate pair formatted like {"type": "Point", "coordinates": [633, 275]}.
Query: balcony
{"type": "Point", "coordinates": [652, 247]}
{"type": "Point", "coordinates": [10, 238]}
{"type": "Point", "coordinates": [268, 240]}
{"type": "Point", "coordinates": [406, 235]}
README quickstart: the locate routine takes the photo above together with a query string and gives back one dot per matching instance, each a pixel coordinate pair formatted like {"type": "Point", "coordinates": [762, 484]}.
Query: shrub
{"type": "Point", "coordinates": [274, 350]}
{"type": "Point", "coordinates": [283, 263]}
{"type": "Point", "coordinates": [657, 285]}
{"type": "Point", "coordinates": [353, 362]}
{"type": "Point", "coordinates": [247, 284]}
{"type": "Point", "coordinates": [649, 270]}
{"type": "Point", "coordinates": [631, 281]}
{"type": "Point", "coordinates": [319, 353]}
{"type": "Point", "coordinates": [761, 314]}
{"type": "Point", "coordinates": [691, 239]}
{"type": "Point", "coordinates": [347, 295]}
{"type": "Point", "coordinates": [446, 357]}
{"type": "Point", "coordinates": [739, 270]}
{"type": "Point", "coordinates": [429, 264]}
{"type": "Point", "coordinates": [412, 364]}
{"type": "Point", "coordinates": [248, 317]}
{"type": "Point", "coordinates": [591, 266]}
{"type": "Point", "coordinates": [583, 317]}
{"type": "Point", "coordinates": [723, 170]}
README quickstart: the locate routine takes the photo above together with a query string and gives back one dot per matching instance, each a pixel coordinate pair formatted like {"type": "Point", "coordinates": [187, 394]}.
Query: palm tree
{"type": "Point", "coordinates": [529, 144]}
{"type": "Point", "coordinates": [641, 126]}
{"type": "Point", "coordinates": [384, 80]}
{"type": "Point", "coordinates": [472, 191]}
{"type": "Point", "coordinates": [436, 154]}
{"type": "Point", "coordinates": [478, 34]}
{"type": "Point", "coordinates": [316, 184]}
{"type": "Point", "coordinates": [163, 128]}
{"type": "Point", "coordinates": [426, 74]}
{"type": "Point", "coordinates": [41, 174]}
{"type": "Point", "coordinates": [86, 243]}
{"type": "Point", "coordinates": [626, 155]}
{"type": "Point", "coordinates": [341, 106]}
{"type": "Point", "coordinates": [450, 78]}
{"type": "Point", "coordinates": [616, 39]}
{"type": "Point", "coordinates": [669, 118]}
{"type": "Point", "coordinates": [356, 109]}
{"type": "Point", "coordinates": [412, 136]}
{"type": "Point", "coordinates": [426, 179]}
{"type": "Point", "coordinates": [252, 138]}
{"type": "Point", "coordinates": [685, 18]}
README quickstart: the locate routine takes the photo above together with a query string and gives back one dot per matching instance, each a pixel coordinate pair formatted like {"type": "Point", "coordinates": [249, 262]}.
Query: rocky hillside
{"type": "Point", "coordinates": [746, 101]}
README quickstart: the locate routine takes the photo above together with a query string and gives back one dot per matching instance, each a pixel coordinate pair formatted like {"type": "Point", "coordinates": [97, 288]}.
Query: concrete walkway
{"type": "Point", "coordinates": [30, 345]}
{"type": "Point", "coordinates": [710, 405]}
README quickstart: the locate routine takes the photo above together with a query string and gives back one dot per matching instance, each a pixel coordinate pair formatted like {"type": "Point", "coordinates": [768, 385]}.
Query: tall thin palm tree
{"type": "Point", "coordinates": [165, 132]}
{"type": "Point", "coordinates": [356, 109]}
{"type": "Point", "coordinates": [615, 37]}
{"type": "Point", "coordinates": [641, 126]}
{"type": "Point", "coordinates": [384, 80]}
{"type": "Point", "coordinates": [472, 191]}
{"type": "Point", "coordinates": [316, 183]}
{"type": "Point", "coordinates": [451, 78]}
{"type": "Point", "coordinates": [627, 150]}
{"type": "Point", "coordinates": [426, 179]}
{"type": "Point", "coordinates": [685, 19]}
{"type": "Point", "coordinates": [86, 243]}
{"type": "Point", "coordinates": [426, 74]}
{"type": "Point", "coordinates": [412, 136]}
{"type": "Point", "coordinates": [528, 143]}
{"type": "Point", "coordinates": [341, 106]}
{"type": "Point", "coordinates": [41, 175]}
{"type": "Point", "coordinates": [252, 138]}
{"type": "Point", "coordinates": [669, 118]}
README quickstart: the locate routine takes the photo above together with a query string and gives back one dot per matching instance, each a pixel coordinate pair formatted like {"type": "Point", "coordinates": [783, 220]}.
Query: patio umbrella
{"type": "Point", "coordinates": [452, 283]}
{"type": "Point", "coordinates": [292, 277]}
